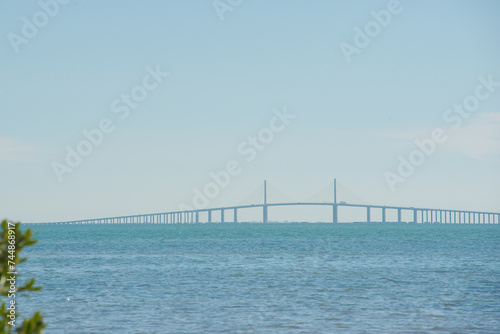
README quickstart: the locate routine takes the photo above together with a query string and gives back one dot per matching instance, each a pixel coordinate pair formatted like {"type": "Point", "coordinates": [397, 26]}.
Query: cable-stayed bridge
{"type": "Point", "coordinates": [230, 214]}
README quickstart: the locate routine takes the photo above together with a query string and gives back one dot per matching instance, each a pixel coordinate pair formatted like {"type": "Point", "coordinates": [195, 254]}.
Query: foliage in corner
{"type": "Point", "coordinates": [12, 241]}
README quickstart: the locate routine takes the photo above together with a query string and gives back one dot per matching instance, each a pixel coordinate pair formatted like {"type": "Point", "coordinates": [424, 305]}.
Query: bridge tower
{"type": "Point", "coordinates": [334, 191]}
{"type": "Point", "coordinates": [335, 206]}
{"type": "Point", "coordinates": [264, 207]}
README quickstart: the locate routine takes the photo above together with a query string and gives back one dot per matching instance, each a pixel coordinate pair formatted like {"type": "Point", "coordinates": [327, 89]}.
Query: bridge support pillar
{"type": "Point", "coordinates": [414, 216]}
{"type": "Point", "coordinates": [368, 219]}
{"type": "Point", "coordinates": [335, 212]}
{"type": "Point", "coordinates": [221, 215]}
{"type": "Point", "coordinates": [264, 213]}
{"type": "Point", "coordinates": [235, 215]}
{"type": "Point", "coordinates": [209, 216]}
{"type": "Point", "coordinates": [383, 215]}
{"type": "Point", "coordinates": [197, 216]}
{"type": "Point", "coordinates": [399, 215]}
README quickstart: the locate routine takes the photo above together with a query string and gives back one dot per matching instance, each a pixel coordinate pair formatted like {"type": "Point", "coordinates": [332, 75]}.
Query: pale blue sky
{"type": "Point", "coordinates": [352, 120]}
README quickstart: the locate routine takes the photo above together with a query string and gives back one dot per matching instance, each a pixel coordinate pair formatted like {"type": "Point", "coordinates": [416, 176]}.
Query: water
{"type": "Point", "coordinates": [266, 278]}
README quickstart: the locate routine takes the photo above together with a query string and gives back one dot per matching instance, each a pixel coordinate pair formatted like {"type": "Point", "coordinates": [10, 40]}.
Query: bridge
{"type": "Point", "coordinates": [417, 215]}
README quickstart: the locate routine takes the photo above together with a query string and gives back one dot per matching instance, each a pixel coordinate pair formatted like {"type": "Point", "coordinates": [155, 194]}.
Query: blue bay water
{"type": "Point", "coordinates": [266, 278]}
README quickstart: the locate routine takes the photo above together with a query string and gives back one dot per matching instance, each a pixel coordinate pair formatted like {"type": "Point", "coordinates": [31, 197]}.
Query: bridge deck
{"type": "Point", "coordinates": [427, 215]}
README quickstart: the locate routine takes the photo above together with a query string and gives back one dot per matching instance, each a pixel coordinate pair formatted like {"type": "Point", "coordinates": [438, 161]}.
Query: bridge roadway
{"type": "Point", "coordinates": [419, 215]}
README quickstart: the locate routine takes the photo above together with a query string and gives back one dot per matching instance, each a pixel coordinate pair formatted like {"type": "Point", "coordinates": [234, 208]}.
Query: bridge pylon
{"type": "Point", "coordinates": [264, 207]}
{"type": "Point", "coordinates": [335, 206]}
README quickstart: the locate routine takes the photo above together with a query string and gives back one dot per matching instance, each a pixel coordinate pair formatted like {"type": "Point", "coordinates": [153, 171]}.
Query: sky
{"type": "Point", "coordinates": [119, 108]}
